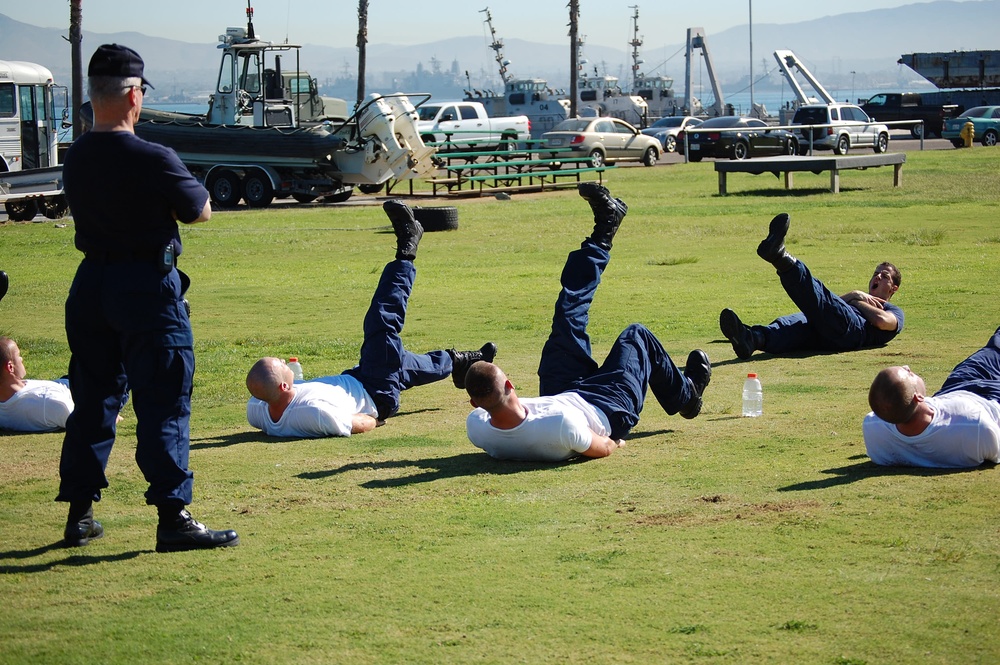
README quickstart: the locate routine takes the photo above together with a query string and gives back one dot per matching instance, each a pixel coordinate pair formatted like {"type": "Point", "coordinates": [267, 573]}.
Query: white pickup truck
{"type": "Point", "coordinates": [467, 124]}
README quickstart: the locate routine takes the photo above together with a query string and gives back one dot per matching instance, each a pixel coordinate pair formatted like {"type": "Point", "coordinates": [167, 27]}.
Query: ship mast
{"type": "Point", "coordinates": [497, 46]}
{"type": "Point", "coordinates": [635, 44]}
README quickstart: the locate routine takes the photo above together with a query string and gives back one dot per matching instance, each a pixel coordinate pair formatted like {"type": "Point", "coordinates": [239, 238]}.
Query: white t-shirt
{"type": "Point", "coordinates": [321, 407]}
{"type": "Point", "coordinates": [964, 432]}
{"type": "Point", "coordinates": [556, 428]}
{"type": "Point", "coordinates": [41, 406]}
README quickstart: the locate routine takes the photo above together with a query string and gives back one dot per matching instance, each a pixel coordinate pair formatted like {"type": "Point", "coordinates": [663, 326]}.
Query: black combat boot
{"type": "Point", "coordinates": [772, 248]}
{"type": "Point", "coordinates": [179, 532]}
{"type": "Point", "coordinates": [407, 228]}
{"type": "Point", "coordinates": [697, 370]}
{"type": "Point", "coordinates": [745, 340]}
{"type": "Point", "coordinates": [461, 361]}
{"type": "Point", "coordinates": [81, 527]}
{"type": "Point", "coordinates": [608, 212]}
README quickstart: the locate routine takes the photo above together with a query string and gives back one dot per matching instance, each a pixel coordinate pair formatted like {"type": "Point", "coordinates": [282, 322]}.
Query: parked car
{"type": "Point", "coordinates": [850, 127]}
{"type": "Point", "coordinates": [665, 130]}
{"type": "Point", "coordinates": [985, 123]}
{"type": "Point", "coordinates": [601, 140]}
{"type": "Point", "coordinates": [748, 137]}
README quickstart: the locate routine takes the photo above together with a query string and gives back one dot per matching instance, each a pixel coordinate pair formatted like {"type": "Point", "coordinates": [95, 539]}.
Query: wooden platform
{"type": "Point", "coordinates": [832, 163]}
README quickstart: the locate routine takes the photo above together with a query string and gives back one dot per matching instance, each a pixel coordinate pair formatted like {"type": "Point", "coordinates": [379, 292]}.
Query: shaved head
{"type": "Point", "coordinates": [265, 378]}
{"type": "Point", "coordinates": [893, 394]}
{"type": "Point", "coordinates": [486, 385]}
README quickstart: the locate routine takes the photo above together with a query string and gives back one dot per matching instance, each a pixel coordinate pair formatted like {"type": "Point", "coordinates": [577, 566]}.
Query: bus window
{"type": "Point", "coordinates": [7, 106]}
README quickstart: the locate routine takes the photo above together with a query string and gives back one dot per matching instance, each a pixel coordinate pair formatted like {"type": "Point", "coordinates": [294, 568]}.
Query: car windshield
{"type": "Point", "coordinates": [573, 125]}
{"type": "Point", "coordinates": [668, 122]}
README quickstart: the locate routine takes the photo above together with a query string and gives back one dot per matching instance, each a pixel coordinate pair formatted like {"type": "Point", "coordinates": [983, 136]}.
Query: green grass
{"type": "Point", "coordinates": [717, 540]}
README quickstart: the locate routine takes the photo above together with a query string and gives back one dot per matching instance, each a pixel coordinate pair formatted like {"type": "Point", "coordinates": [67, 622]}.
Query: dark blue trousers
{"type": "Point", "coordinates": [979, 373]}
{"type": "Point", "coordinates": [825, 322]}
{"type": "Point", "coordinates": [385, 367]}
{"type": "Point", "coordinates": [637, 359]}
{"type": "Point", "coordinates": [127, 328]}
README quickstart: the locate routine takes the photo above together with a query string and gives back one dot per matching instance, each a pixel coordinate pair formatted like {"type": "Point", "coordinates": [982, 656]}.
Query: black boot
{"type": "Point", "coordinates": [608, 212]}
{"type": "Point", "coordinates": [697, 370]}
{"type": "Point", "coordinates": [81, 527]}
{"type": "Point", "coordinates": [461, 361]}
{"type": "Point", "coordinates": [772, 248]}
{"type": "Point", "coordinates": [745, 340]}
{"type": "Point", "coordinates": [407, 228]}
{"type": "Point", "coordinates": [179, 532]}
{"type": "Point", "coordinates": [4, 283]}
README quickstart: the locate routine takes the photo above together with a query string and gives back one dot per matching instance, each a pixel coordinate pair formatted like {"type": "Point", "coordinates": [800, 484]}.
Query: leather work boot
{"type": "Point", "coordinates": [4, 283]}
{"type": "Point", "coordinates": [182, 533]}
{"type": "Point", "coordinates": [772, 248]}
{"type": "Point", "coordinates": [697, 370]}
{"type": "Point", "coordinates": [81, 527]}
{"type": "Point", "coordinates": [407, 229]}
{"type": "Point", "coordinates": [608, 212]}
{"type": "Point", "coordinates": [461, 361]}
{"type": "Point", "coordinates": [745, 340]}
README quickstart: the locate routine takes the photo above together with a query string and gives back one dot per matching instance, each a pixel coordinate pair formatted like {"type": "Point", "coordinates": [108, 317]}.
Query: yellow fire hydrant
{"type": "Point", "coordinates": [968, 134]}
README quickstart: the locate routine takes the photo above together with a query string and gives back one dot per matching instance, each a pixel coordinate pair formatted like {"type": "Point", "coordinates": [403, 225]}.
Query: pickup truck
{"type": "Point", "coordinates": [890, 106]}
{"type": "Point", "coordinates": [468, 124]}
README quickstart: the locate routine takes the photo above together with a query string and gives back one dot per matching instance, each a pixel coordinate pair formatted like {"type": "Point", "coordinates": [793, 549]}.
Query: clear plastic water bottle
{"type": "Point", "coordinates": [753, 397]}
{"type": "Point", "coordinates": [293, 364]}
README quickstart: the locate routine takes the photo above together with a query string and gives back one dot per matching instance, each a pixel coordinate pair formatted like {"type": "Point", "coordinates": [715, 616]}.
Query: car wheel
{"type": "Point", "coordinates": [367, 188]}
{"type": "Point", "coordinates": [670, 144]}
{"type": "Point", "coordinates": [695, 157]}
{"type": "Point", "coordinates": [257, 189]}
{"type": "Point", "coordinates": [792, 147]}
{"type": "Point", "coordinates": [596, 158]}
{"type": "Point", "coordinates": [741, 150]}
{"type": "Point", "coordinates": [843, 145]}
{"type": "Point", "coordinates": [917, 131]}
{"type": "Point", "coordinates": [882, 143]}
{"type": "Point", "coordinates": [958, 143]}
{"type": "Point", "coordinates": [650, 156]}
{"type": "Point", "coordinates": [990, 137]}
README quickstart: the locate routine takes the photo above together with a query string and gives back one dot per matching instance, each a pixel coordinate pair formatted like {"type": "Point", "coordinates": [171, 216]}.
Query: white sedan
{"type": "Point", "coordinates": [665, 130]}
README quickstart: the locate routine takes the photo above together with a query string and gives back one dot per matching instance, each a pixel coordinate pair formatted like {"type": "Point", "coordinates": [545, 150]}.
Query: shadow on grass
{"type": "Point", "coordinates": [867, 469]}
{"type": "Point", "coordinates": [437, 468]}
{"type": "Point", "coordinates": [72, 560]}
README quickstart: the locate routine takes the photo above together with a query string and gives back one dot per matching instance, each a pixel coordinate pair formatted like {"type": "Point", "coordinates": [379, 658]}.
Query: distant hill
{"type": "Point", "coordinates": [863, 45]}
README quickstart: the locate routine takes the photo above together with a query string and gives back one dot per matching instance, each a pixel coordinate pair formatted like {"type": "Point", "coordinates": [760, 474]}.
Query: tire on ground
{"type": "Point", "coordinates": [437, 218]}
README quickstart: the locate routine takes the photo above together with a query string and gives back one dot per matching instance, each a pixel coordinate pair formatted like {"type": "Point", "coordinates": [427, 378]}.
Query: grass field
{"type": "Point", "coordinates": [716, 540]}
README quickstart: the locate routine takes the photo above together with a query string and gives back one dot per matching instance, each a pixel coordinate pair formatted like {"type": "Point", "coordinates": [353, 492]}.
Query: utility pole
{"type": "Point", "coordinates": [76, 62]}
{"type": "Point", "coordinates": [574, 55]}
{"type": "Point", "coordinates": [362, 41]}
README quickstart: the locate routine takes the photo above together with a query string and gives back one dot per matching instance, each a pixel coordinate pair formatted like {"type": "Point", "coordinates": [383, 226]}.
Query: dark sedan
{"type": "Point", "coordinates": [736, 137]}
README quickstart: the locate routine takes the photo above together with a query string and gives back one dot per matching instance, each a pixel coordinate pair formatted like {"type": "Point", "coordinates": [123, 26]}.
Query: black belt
{"type": "Point", "coordinates": [133, 256]}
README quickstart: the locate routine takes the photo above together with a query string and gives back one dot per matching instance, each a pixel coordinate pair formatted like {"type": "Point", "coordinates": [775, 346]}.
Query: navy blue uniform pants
{"type": "Point", "coordinates": [979, 373]}
{"type": "Point", "coordinates": [637, 359]}
{"type": "Point", "coordinates": [127, 328]}
{"type": "Point", "coordinates": [385, 367]}
{"type": "Point", "coordinates": [825, 323]}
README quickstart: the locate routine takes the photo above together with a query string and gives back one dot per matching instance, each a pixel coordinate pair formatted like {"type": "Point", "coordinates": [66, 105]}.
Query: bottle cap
{"type": "Point", "coordinates": [752, 375]}
{"type": "Point", "coordinates": [293, 359]}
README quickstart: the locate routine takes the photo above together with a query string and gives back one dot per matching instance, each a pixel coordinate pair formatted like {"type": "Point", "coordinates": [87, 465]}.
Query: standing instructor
{"type": "Point", "coordinates": [125, 317]}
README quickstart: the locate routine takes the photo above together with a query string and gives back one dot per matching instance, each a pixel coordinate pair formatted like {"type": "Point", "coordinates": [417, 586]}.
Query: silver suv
{"type": "Point", "coordinates": [849, 127]}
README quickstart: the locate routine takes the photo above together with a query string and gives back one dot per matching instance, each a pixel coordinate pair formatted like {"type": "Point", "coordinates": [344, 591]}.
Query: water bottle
{"type": "Point", "coordinates": [753, 397]}
{"type": "Point", "coordinates": [293, 364]}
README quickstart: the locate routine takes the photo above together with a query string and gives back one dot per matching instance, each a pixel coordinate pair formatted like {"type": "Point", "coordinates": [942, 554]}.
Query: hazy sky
{"type": "Point", "coordinates": [334, 22]}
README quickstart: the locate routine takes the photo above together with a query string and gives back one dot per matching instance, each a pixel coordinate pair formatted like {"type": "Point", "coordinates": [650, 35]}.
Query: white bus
{"type": "Point", "coordinates": [28, 125]}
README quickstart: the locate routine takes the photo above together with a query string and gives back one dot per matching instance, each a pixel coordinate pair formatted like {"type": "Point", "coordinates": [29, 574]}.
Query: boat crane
{"type": "Point", "coordinates": [696, 40]}
{"type": "Point", "coordinates": [786, 61]}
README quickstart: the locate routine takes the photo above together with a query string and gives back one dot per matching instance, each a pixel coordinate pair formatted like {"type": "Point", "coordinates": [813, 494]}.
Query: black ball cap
{"type": "Point", "coordinates": [116, 60]}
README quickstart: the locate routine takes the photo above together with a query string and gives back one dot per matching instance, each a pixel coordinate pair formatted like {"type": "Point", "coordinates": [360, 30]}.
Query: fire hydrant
{"type": "Point", "coordinates": [968, 134]}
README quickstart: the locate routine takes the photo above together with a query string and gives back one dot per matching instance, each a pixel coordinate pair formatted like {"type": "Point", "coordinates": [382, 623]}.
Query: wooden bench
{"type": "Point", "coordinates": [791, 164]}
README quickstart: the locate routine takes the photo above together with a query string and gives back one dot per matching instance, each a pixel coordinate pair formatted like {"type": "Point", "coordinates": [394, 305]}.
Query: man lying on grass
{"type": "Point", "coordinates": [826, 322]}
{"type": "Point", "coordinates": [585, 409]}
{"type": "Point", "coordinates": [959, 426]}
{"type": "Point", "coordinates": [362, 397]}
